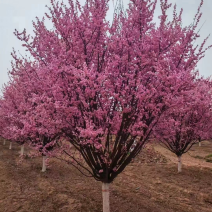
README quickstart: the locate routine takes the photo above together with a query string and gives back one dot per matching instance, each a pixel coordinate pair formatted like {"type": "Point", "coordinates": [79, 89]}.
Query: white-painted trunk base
{"type": "Point", "coordinates": [179, 164]}
{"type": "Point", "coordinates": [200, 144]}
{"type": "Point", "coordinates": [4, 142]}
{"type": "Point", "coordinates": [44, 164]}
{"type": "Point", "coordinates": [105, 197]}
{"type": "Point", "coordinates": [10, 147]}
{"type": "Point", "coordinates": [22, 150]}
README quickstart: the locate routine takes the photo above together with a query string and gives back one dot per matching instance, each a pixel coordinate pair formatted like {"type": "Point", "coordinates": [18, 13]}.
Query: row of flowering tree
{"type": "Point", "coordinates": [105, 89]}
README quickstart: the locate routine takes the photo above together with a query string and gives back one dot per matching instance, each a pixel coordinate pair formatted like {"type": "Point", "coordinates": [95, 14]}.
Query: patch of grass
{"type": "Point", "coordinates": [208, 158]}
{"type": "Point", "coordinates": [198, 157]}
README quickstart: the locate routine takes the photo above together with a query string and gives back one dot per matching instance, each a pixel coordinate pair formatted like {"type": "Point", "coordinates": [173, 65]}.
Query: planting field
{"type": "Point", "coordinates": [150, 184]}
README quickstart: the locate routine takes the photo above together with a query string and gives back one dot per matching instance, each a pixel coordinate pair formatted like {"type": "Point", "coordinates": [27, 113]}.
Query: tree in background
{"type": "Point", "coordinates": [10, 115]}
{"type": "Point", "coordinates": [22, 106]}
{"type": "Point", "coordinates": [182, 126]}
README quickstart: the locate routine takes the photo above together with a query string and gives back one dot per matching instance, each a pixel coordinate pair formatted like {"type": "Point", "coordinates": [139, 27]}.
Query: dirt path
{"type": "Point", "coordinates": [147, 185]}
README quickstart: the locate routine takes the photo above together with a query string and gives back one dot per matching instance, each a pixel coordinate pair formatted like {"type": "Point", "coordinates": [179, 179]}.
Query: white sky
{"type": "Point", "coordinates": [18, 14]}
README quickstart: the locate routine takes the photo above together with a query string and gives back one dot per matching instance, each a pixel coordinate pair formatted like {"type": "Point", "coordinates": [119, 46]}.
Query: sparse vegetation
{"type": "Point", "coordinates": [208, 158]}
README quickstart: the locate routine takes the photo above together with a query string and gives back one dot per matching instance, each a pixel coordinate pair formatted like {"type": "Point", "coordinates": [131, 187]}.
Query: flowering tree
{"type": "Point", "coordinates": [105, 86]}
{"type": "Point", "coordinates": [10, 115]}
{"type": "Point", "coordinates": [21, 107]}
{"type": "Point", "coordinates": [39, 120]}
{"type": "Point", "coordinates": [182, 126]}
{"type": "Point", "coordinates": [205, 127]}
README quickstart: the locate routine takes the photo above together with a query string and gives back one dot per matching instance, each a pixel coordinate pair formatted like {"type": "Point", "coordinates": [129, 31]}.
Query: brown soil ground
{"type": "Point", "coordinates": [150, 184]}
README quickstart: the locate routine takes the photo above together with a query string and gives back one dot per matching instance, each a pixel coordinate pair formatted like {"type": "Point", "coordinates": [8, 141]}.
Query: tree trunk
{"type": "Point", "coordinates": [179, 164]}
{"type": "Point", "coordinates": [4, 142]}
{"type": "Point", "coordinates": [22, 149]}
{"type": "Point", "coordinates": [105, 197]}
{"type": "Point", "coordinates": [10, 147]}
{"type": "Point", "coordinates": [200, 143]}
{"type": "Point", "coordinates": [44, 164]}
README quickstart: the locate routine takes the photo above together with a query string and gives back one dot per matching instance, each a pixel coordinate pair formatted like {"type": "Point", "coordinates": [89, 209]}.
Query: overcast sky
{"type": "Point", "coordinates": [18, 14]}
